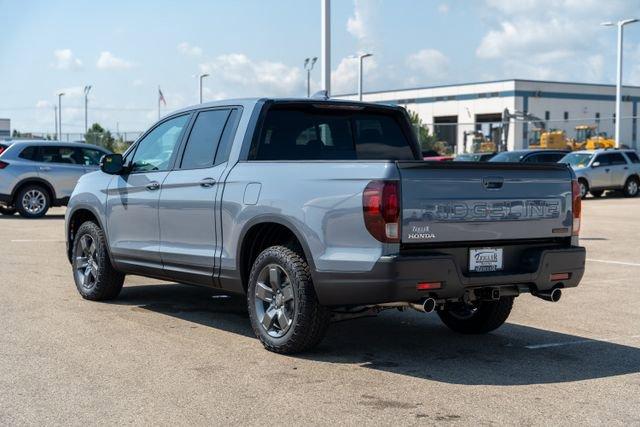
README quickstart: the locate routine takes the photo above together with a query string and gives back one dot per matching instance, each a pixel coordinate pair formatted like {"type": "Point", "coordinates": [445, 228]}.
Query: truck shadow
{"type": "Point", "coordinates": [414, 344]}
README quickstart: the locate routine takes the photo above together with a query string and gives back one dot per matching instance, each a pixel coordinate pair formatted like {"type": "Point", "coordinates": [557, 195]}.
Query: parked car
{"type": "Point", "coordinates": [474, 157]}
{"type": "Point", "coordinates": [4, 145]}
{"type": "Point", "coordinates": [601, 170]}
{"type": "Point", "coordinates": [529, 156]}
{"type": "Point", "coordinates": [35, 175]}
{"type": "Point", "coordinates": [318, 209]}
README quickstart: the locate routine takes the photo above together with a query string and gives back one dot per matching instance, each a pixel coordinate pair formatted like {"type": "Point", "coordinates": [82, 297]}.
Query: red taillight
{"type": "Point", "coordinates": [576, 206]}
{"type": "Point", "coordinates": [381, 209]}
{"type": "Point", "coordinates": [426, 286]}
{"type": "Point", "coordinates": [3, 164]}
{"type": "Point", "coordinates": [554, 277]}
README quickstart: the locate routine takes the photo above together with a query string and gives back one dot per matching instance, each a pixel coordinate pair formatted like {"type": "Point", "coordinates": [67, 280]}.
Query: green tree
{"type": "Point", "coordinates": [425, 138]}
{"type": "Point", "coordinates": [97, 135]}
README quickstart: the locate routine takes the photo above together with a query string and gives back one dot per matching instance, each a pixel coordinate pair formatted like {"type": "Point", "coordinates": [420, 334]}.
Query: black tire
{"type": "Point", "coordinates": [104, 281]}
{"type": "Point", "coordinates": [631, 187]}
{"type": "Point", "coordinates": [597, 193]}
{"type": "Point", "coordinates": [308, 319]}
{"type": "Point", "coordinates": [7, 211]}
{"type": "Point", "coordinates": [584, 188]}
{"type": "Point", "coordinates": [28, 192]}
{"type": "Point", "coordinates": [486, 316]}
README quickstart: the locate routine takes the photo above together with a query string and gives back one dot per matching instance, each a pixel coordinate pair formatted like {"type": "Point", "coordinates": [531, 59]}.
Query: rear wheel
{"type": "Point", "coordinates": [284, 310]}
{"type": "Point", "coordinates": [478, 318]}
{"type": "Point", "coordinates": [95, 277]}
{"type": "Point", "coordinates": [33, 201]}
{"type": "Point", "coordinates": [631, 187]}
{"type": "Point", "coordinates": [597, 193]}
{"type": "Point", "coordinates": [7, 211]}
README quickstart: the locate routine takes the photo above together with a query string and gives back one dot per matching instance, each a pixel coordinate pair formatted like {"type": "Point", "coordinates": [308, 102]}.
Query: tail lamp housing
{"type": "Point", "coordinates": [3, 164]}
{"type": "Point", "coordinates": [381, 210]}
{"type": "Point", "coordinates": [576, 206]}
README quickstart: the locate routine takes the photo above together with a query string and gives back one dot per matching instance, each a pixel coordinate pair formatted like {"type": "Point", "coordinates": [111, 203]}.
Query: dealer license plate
{"type": "Point", "coordinates": [485, 259]}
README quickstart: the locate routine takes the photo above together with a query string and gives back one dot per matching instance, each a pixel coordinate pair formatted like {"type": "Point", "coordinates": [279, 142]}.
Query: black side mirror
{"type": "Point", "coordinates": [111, 164]}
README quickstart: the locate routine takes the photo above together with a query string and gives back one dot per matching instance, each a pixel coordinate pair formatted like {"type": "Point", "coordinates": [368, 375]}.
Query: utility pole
{"type": "Point", "coordinates": [87, 89]}
{"type": "Point", "coordinates": [360, 60]}
{"type": "Point", "coordinates": [60, 95]}
{"type": "Point", "coordinates": [55, 119]}
{"type": "Point", "coordinates": [202, 76]}
{"type": "Point", "coordinates": [618, 116]}
{"type": "Point", "coordinates": [308, 65]}
{"type": "Point", "coordinates": [325, 45]}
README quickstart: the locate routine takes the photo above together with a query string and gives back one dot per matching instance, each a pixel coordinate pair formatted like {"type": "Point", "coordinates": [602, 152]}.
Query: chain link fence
{"type": "Point", "coordinates": [117, 142]}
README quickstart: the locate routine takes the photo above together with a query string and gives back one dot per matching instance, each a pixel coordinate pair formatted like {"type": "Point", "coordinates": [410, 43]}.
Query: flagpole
{"type": "Point", "coordinates": [158, 102]}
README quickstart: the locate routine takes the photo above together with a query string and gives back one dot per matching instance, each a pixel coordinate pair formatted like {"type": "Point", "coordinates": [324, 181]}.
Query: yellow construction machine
{"type": "Point", "coordinates": [553, 139]}
{"type": "Point", "coordinates": [587, 138]}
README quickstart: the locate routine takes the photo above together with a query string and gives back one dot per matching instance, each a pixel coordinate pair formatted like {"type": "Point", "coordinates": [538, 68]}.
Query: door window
{"type": "Point", "coordinates": [204, 138]}
{"type": "Point", "coordinates": [633, 157]}
{"type": "Point", "coordinates": [57, 154]}
{"type": "Point", "coordinates": [155, 150]}
{"type": "Point", "coordinates": [89, 156]}
{"type": "Point", "coordinates": [617, 159]}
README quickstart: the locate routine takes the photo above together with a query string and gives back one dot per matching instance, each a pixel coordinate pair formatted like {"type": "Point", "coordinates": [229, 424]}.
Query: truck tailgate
{"type": "Point", "coordinates": [465, 202]}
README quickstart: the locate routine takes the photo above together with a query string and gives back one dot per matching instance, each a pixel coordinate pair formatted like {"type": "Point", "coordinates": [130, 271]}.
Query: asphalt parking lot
{"type": "Point", "coordinates": [171, 354]}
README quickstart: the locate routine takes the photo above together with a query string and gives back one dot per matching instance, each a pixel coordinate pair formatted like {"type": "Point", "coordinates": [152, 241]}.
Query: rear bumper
{"type": "Point", "coordinates": [394, 279]}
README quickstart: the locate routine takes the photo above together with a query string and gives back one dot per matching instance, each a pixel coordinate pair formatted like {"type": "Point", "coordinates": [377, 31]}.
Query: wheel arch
{"type": "Point", "coordinates": [34, 180]}
{"type": "Point", "coordinates": [262, 232]}
{"type": "Point", "coordinates": [77, 217]}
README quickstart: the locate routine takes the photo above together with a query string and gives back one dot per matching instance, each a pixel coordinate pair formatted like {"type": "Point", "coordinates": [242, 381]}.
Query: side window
{"type": "Point", "coordinates": [89, 156]}
{"type": "Point", "coordinates": [604, 159]}
{"type": "Point", "coordinates": [534, 158]}
{"type": "Point", "coordinates": [28, 153]}
{"type": "Point", "coordinates": [53, 154]}
{"type": "Point", "coordinates": [226, 142]}
{"type": "Point", "coordinates": [617, 159]}
{"type": "Point", "coordinates": [633, 157]}
{"type": "Point", "coordinates": [204, 139]}
{"type": "Point", "coordinates": [154, 151]}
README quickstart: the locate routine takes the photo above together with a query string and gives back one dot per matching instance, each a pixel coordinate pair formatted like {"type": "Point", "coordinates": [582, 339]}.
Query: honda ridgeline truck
{"type": "Point", "coordinates": [319, 209]}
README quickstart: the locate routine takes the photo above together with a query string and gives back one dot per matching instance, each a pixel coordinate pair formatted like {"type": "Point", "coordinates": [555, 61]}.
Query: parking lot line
{"type": "Point", "coordinates": [583, 341]}
{"type": "Point", "coordinates": [35, 240]}
{"type": "Point", "coordinates": [606, 261]}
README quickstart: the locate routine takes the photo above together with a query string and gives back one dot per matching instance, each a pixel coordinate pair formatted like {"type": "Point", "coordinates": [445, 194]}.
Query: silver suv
{"type": "Point", "coordinates": [601, 170]}
{"type": "Point", "coordinates": [35, 175]}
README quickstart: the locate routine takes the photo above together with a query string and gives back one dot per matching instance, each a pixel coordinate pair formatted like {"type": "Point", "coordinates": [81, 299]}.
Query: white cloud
{"type": "Point", "coordinates": [65, 60]}
{"type": "Point", "coordinates": [107, 61]}
{"type": "Point", "coordinates": [432, 63]}
{"type": "Point", "coordinates": [344, 79]}
{"type": "Point", "coordinates": [364, 22]}
{"type": "Point", "coordinates": [137, 83]}
{"type": "Point", "coordinates": [189, 50]}
{"type": "Point", "coordinates": [244, 76]}
{"type": "Point", "coordinates": [43, 104]}
{"type": "Point", "coordinates": [443, 8]}
{"type": "Point", "coordinates": [70, 92]}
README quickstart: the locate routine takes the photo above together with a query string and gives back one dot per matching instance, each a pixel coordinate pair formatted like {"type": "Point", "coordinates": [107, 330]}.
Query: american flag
{"type": "Point", "coordinates": [161, 97]}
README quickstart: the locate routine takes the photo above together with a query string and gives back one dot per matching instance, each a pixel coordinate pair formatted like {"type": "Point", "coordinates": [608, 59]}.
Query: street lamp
{"type": "Point", "coordinates": [308, 65]}
{"type": "Point", "coordinates": [202, 76]}
{"type": "Point", "coordinates": [87, 89]}
{"type": "Point", "coordinates": [360, 61]}
{"type": "Point", "coordinates": [620, 25]}
{"type": "Point", "coordinates": [60, 95]}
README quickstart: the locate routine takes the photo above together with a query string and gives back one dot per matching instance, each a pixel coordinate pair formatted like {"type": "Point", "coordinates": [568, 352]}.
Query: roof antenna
{"type": "Point", "coordinates": [321, 94]}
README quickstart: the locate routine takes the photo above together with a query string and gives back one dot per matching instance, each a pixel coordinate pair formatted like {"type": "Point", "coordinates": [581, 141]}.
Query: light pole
{"type": "Point", "coordinates": [325, 45]}
{"type": "Point", "coordinates": [620, 25]}
{"type": "Point", "coordinates": [308, 65]}
{"type": "Point", "coordinates": [360, 60]}
{"type": "Point", "coordinates": [87, 89]}
{"type": "Point", "coordinates": [60, 95]}
{"type": "Point", "coordinates": [202, 76]}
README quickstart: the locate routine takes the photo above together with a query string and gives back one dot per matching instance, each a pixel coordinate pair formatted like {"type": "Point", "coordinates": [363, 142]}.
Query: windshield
{"type": "Point", "coordinates": [508, 156]}
{"type": "Point", "coordinates": [577, 160]}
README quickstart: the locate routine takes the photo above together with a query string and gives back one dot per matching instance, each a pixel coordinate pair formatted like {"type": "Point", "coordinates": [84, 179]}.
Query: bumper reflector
{"type": "Point", "coordinates": [427, 286]}
{"type": "Point", "coordinates": [559, 276]}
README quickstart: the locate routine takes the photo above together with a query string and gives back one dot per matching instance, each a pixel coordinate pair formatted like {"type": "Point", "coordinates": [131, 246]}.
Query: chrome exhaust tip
{"type": "Point", "coordinates": [429, 305]}
{"type": "Point", "coordinates": [553, 295]}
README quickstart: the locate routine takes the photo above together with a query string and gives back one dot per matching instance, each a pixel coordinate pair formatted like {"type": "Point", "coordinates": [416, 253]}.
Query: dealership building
{"type": "Point", "coordinates": [453, 112]}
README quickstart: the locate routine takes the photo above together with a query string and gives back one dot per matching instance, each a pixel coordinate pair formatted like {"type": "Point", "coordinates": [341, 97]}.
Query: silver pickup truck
{"type": "Point", "coordinates": [318, 210]}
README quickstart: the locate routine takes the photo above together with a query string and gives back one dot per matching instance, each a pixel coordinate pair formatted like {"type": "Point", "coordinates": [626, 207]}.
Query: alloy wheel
{"type": "Point", "coordinates": [86, 264]}
{"type": "Point", "coordinates": [274, 300]}
{"type": "Point", "coordinates": [632, 187]}
{"type": "Point", "coordinates": [34, 201]}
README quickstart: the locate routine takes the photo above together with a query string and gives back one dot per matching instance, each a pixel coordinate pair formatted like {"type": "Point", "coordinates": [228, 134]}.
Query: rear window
{"type": "Point", "coordinates": [307, 133]}
{"type": "Point", "coordinates": [632, 156]}
{"type": "Point", "coordinates": [28, 153]}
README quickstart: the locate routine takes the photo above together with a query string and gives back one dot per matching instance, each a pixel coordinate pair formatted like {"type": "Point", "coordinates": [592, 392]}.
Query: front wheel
{"type": "Point", "coordinates": [95, 277]}
{"type": "Point", "coordinates": [283, 308]}
{"type": "Point", "coordinates": [584, 188]}
{"type": "Point", "coordinates": [631, 187]}
{"type": "Point", "coordinates": [478, 318]}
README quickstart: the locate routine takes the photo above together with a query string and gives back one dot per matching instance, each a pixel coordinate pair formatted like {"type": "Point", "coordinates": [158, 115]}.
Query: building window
{"type": "Point", "coordinates": [495, 94]}
{"type": "Point", "coordinates": [566, 115]}
{"type": "Point", "coordinates": [547, 115]}
{"type": "Point", "coordinates": [597, 117]}
{"type": "Point", "coordinates": [614, 118]}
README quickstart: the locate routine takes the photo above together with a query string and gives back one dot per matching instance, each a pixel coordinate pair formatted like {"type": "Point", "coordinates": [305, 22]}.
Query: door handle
{"type": "Point", "coordinates": [153, 185]}
{"type": "Point", "coordinates": [207, 182]}
{"type": "Point", "coordinates": [626, 168]}
{"type": "Point", "coordinates": [44, 168]}
{"type": "Point", "coordinates": [606, 170]}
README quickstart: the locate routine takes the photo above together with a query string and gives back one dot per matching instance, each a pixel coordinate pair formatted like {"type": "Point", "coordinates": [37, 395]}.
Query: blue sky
{"type": "Point", "coordinates": [125, 49]}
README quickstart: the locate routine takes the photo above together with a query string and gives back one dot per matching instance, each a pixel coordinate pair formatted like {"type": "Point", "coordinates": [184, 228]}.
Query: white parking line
{"type": "Point", "coordinates": [583, 341]}
{"type": "Point", "coordinates": [606, 261]}
{"type": "Point", "coordinates": [35, 240]}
